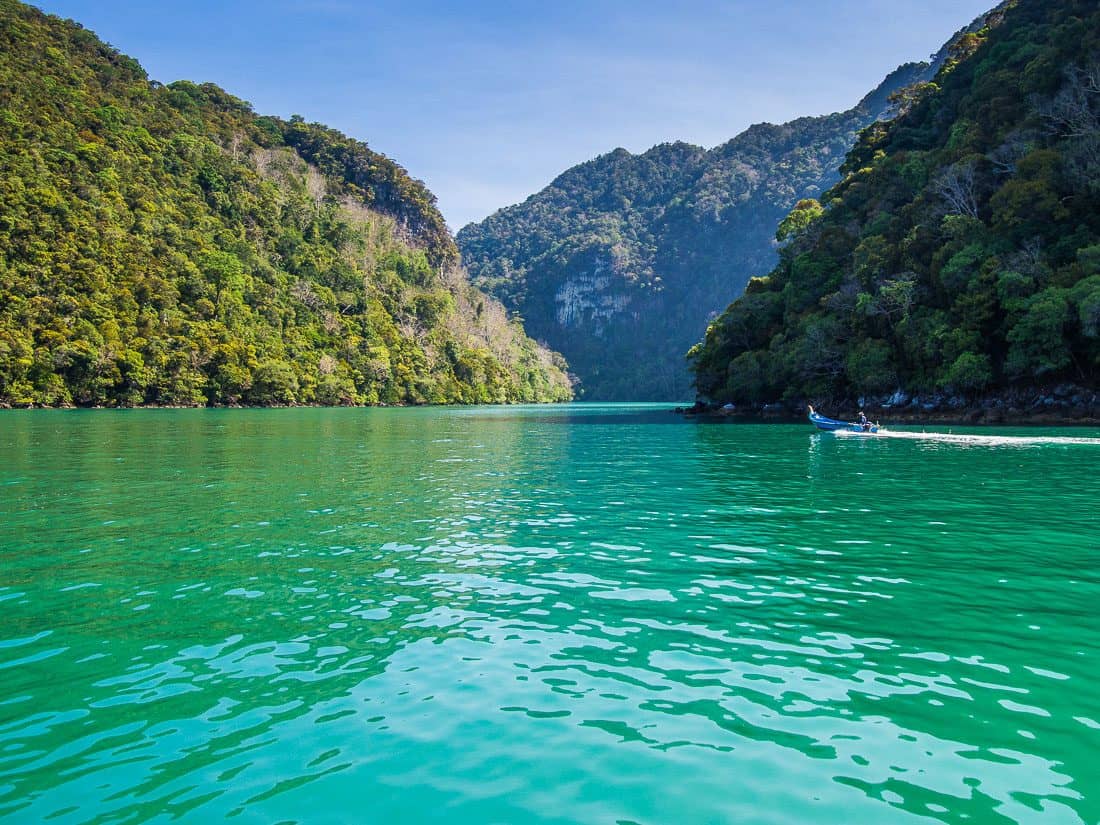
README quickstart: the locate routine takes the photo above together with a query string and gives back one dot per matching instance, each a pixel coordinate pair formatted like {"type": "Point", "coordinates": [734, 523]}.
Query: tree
{"type": "Point", "coordinates": [1074, 112]}
{"type": "Point", "coordinates": [274, 383]}
{"type": "Point", "coordinates": [956, 187]}
{"type": "Point", "coordinates": [904, 99]}
{"type": "Point", "coordinates": [1037, 343]}
{"type": "Point", "coordinates": [805, 212]}
{"type": "Point", "coordinates": [870, 367]}
{"type": "Point", "coordinates": [970, 372]}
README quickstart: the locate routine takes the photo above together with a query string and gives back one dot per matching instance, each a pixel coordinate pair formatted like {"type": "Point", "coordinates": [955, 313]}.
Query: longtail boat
{"type": "Point", "coordinates": [832, 425]}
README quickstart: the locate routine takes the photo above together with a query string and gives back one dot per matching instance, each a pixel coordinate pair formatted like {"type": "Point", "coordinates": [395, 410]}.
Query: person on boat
{"type": "Point", "coordinates": [864, 424]}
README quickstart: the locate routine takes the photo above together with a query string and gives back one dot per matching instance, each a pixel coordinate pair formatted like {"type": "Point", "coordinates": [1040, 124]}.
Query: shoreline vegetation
{"type": "Point", "coordinates": [5, 406]}
{"type": "Point", "coordinates": [1059, 405]}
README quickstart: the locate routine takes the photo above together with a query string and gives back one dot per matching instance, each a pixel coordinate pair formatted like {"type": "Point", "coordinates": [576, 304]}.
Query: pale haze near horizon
{"type": "Point", "coordinates": [488, 101]}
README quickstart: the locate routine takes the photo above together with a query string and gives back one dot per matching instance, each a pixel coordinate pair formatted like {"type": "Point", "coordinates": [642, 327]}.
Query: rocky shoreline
{"type": "Point", "coordinates": [1061, 405]}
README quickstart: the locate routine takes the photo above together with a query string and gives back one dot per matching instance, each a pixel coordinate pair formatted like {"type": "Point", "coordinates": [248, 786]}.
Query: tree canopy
{"type": "Point", "coordinates": [960, 252]}
{"type": "Point", "coordinates": [167, 245]}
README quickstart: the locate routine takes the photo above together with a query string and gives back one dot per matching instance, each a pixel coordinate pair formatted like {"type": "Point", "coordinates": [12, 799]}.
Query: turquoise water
{"type": "Point", "coordinates": [576, 614]}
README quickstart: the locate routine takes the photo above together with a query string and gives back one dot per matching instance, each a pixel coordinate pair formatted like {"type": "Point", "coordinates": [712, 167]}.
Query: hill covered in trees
{"type": "Point", "coordinates": [166, 245]}
{"type": "Point", "coordinates": [622, 261]}
{"type": "Point", "coordinates": [959, 256]}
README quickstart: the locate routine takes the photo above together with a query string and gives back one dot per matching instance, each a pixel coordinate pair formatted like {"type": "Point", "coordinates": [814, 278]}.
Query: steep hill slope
{"type": "Point", "coordinates": [165, 245]}
{"type": "Point", "coordinates": [960, 255]}
{"type": "Point", "coordinates": [622, 261]}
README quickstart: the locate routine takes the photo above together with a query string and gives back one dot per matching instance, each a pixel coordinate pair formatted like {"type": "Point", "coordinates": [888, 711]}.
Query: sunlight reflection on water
{"type": "Point", "coordinates": [558, 615]}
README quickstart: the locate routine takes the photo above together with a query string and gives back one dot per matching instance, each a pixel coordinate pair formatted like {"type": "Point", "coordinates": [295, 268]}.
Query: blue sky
{"type": "Point", "coordinates": [488, 100]}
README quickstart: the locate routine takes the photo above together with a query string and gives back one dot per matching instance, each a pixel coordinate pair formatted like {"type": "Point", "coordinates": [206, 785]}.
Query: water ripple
{"type": "Point", "coordinates": [576, 614]}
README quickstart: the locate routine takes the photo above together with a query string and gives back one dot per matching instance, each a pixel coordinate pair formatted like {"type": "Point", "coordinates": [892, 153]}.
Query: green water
{"type": "Point", "coordinates": [583, 614]}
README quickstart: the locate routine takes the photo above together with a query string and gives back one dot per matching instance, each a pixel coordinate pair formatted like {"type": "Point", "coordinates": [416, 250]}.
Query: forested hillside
{"type": "Point", "coordinates": [166, 245]}
{"type": "Point", "coordinates": [621, 262]}
{"type": "Point", "coordinates": [960, 254]}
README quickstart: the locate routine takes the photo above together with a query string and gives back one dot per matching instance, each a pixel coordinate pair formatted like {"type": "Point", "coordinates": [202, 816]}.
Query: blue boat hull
{"type": "Point", "coordinates": [832, 425]}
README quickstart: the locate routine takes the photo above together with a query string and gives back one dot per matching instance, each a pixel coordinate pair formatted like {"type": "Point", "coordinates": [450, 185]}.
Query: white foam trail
{"type": "Point", "coordinates": [968, 439]}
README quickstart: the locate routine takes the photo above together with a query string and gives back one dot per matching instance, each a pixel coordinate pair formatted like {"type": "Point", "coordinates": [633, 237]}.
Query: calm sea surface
{"type": "Point", "coordinates": [582, 614]}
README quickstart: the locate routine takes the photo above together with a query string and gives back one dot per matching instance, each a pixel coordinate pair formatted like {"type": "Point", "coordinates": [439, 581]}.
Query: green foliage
{"type": "Point", "coordinates": [274, 383]}
{"type": "Point", "coordinates": [961, 252]}
{"type": "Point", "coordinates": [165, 245]}
{"type": "Point", "coordinates": [805, 212]}
{"type": "Point", "coordinates": [622, 261]}
{"type": "Point", "coordinates": [970, 372]}
{"type": "Point", "coordinates": [750, 377]}
{"type": "Point", "coordinates": [1037, 341]}
{"type": "Point", "coordinates": [870, 367]}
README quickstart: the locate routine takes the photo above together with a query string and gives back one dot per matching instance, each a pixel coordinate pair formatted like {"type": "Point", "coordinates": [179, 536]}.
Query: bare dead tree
{"type": "Point", "coordinates": [1073, 114]}
{"type": "Point", "coordinates": [304, 293]}
{"type": "Point", "coordinates": [1083, 162]}
{"type": "Point", "coordinates": [822, 353]}
{"type": "Point", "coordinates": [1075, 111]}
{"type": "Point", "coordinates": [1006, 156]}
{"type": "Point", "coordinates": [843, 301]}
{"type": "Point", "coordinates": [956, 186]}
{"type": "Point", "coordinates": [1032, 249]}
{"type": "Point", "coordinates": [1029, 260]}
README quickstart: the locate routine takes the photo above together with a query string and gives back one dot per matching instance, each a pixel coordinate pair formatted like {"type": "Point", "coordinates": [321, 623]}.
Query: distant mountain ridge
{"type": "Point", "coordinates": [166, 245]}
{"type": "Point", "coordinates": [621, 261]}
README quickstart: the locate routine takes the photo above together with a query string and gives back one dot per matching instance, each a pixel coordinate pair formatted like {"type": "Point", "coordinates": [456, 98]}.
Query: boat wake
{"type": "Point", "coordinates": [977, 440]}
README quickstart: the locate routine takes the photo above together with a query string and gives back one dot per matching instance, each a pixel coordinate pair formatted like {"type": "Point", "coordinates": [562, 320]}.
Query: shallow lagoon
{"type": "Point", "coordinates": [565, 615]}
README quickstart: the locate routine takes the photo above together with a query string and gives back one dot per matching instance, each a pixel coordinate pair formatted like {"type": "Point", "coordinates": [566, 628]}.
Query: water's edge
{"type": "Point", "coordinates": [549, 614]}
